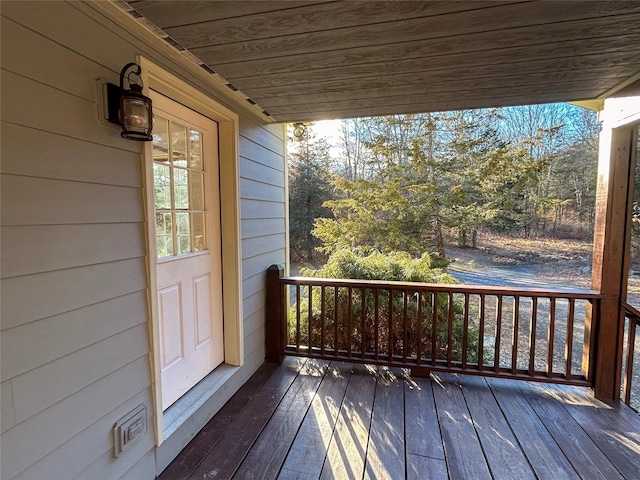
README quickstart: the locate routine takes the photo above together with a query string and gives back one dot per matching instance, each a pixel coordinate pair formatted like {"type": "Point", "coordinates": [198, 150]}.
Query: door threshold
{"type": "Point", "coordinates": [185, 407]}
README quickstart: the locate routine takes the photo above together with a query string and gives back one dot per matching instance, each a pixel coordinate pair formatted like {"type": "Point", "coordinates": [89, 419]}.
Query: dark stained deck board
{"type": "Point", "coordinates": [267, 454]}
{"type": "Point", "coordinates": [587, 459]}
{"type": "Point", "coordinates": [307, 454]}
{"type": "Point", "coordinates": [504, 455]}
{"type": "Point", "coordinates": [462, 448]}
{"type": "Point", "coordinates": [537, 443]}
{"type": "Point", "coordinates": [600, 421]}
{"type": "Point", "coordinates": [348, 448]}
{"type": "Point", "coordinates": [228, 453]}
{"type": "Point", "coordinates": [386, 448]}
{"type": "Point", "coordinates": [311, 420]}
{"type": "Point", "coordinates": [183, 467]}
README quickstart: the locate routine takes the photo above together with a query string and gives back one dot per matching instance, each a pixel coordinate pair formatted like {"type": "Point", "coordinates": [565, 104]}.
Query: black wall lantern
{"type": "Point", "coordinates": [130, 108]}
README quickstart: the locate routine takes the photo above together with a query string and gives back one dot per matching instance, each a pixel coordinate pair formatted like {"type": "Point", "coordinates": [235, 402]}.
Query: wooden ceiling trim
{"type": "Point", "coordinates": [447, 103]}
{"type": "Point", "coordinates": [232, 66]}
{"type": "Point", "coordinates": [539, 71]}
{"type": "Point", "coordinates": [567, 56]}
{"type": "Point", "coordinates": [168, 14]}
{"type": "Point", "coordinates": [317, 18]}
{"type": "Point", "coordinates": [453, 89]}
{"type": "Point", "coordinates": [495, 20]}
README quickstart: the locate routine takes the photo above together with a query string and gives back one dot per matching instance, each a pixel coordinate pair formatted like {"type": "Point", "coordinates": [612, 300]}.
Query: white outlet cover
{"type": "Point", "coordinates": [129, 430]}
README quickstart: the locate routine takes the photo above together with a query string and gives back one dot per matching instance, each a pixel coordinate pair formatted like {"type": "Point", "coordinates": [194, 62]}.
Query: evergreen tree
{"type": "Point", "coordinates": [309, 188]}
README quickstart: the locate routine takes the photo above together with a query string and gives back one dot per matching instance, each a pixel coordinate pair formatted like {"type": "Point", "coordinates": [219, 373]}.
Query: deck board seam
{"type": "Point", "coordinates": [475, 428]}
{"type": "Point", "coordinates": [513, 432]}
{"type": "Point", "coordinates": [300, 368]}
{"type": "Point", "coordinates": [435, 404]}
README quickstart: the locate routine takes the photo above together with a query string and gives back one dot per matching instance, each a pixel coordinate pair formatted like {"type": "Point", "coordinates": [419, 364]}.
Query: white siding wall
{"type": "Point", "coordinates": [75, 339]}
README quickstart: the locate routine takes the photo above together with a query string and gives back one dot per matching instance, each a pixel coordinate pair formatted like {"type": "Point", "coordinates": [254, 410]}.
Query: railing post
{"type": "Point", "coordinates": [275, 318]}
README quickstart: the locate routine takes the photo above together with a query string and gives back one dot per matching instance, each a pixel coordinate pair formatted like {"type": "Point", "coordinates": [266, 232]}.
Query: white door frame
{"type": "Point", "coordinates": [165, 83]}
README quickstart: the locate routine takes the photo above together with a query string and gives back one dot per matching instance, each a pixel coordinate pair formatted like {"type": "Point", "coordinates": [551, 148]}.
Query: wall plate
{"type": "Point", "coordinates": [129, 430]}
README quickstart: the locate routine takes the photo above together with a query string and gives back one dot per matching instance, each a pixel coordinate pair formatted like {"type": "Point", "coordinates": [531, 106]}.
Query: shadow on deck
{"type": "Point", "coordinates": [312, 419]}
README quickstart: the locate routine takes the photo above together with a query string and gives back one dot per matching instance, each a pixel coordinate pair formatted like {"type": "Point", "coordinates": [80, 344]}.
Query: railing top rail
{"type": "Point", "coordinates": [631, 310]}
{"type": "Point", "coordinates": [445, 288]}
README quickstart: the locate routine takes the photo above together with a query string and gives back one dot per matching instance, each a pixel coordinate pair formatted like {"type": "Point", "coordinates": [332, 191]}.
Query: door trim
{"type": "Point", "coordinates": [156, 78]}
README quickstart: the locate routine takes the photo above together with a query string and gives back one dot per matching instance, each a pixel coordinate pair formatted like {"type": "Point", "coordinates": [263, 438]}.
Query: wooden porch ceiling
{"type": "Point", "coordinates": [310, 60]}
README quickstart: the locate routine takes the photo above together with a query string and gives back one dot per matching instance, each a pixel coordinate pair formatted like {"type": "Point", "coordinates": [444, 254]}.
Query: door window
{"type": "Point", "coordinates": [179, 178]}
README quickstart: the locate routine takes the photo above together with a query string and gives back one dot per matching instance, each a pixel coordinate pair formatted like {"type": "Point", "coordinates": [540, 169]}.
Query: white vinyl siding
{"type": "Point", "coordinates": [75, 346]}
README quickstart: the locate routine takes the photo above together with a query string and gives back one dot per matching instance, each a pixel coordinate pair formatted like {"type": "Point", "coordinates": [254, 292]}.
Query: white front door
{"type": "Point", "coordinates": [188, 268]}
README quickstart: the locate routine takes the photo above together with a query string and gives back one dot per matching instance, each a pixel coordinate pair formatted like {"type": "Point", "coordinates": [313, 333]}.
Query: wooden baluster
{"type": "Point", "coordinates": [405, 326]}
{"type": "Point", "coordinates": [349, 318]}
{"type": "Point", "coordinates": [336, 343]}
{"type": "Point", "coordinates": [419, 330]}
{"type": "Point", "coordinates": [434, 328]}
{"type": "Point", "coordinates": [496, 360]}
{"type": "Point", "coordinates": [465, 331]}
{"type": "Point", "coordinates": [322, 320]}
{"type": "Point", "coordinates": [551, 335]}
{"type": "Point", "coordinates": [516, 334]}
{"type": "Point", "coordinates": [363, 328]}
{"type": "Point", "coordinates": [481, 333]}
{"type": "Point", "coordinates": [390, 325]}
{"type": "Point", "coordinates": [376, 307]}
{"type": "Point", "coordinates": [568, 348]}
{"type": "Point", "coordinates": [532, 335]}
{"type": "Point", "coordinates": [450, 331]}
{"type": "Point", "coordinates": [310, 329]}
{"type": "Point", "coordinates": [628, 374]}
{"type": "Point", "coordinates": [298, 318]}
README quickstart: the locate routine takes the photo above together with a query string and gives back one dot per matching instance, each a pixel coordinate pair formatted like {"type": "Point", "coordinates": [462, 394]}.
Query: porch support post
{"type": "Point", "coordinates": [275, 319]}
{"type": "Point", "coordinates": [609, 269]}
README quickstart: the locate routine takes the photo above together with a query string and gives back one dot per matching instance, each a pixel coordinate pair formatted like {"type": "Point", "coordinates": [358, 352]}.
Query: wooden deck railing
{"type": "Point", "coordinates": [532, 334]}
{"type": "Point", "coordinates": [632, 320]}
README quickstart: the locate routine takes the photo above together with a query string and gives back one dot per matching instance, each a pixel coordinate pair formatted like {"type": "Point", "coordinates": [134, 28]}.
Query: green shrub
{"type": "Point", "coordinates": [360, 327]}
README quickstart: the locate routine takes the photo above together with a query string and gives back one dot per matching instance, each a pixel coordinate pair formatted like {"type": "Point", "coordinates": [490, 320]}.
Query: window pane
{"type": "Point", "coordinates": [180, 189]}
{"type": "Point", "coordinates": [183, 235]}
{"type": "Point", "coordinates": [179, 144]}
{"type": "Point", "coordinates": [196, 187]}
{"type": "Point", "coordinates": [199, 238]}
{"type": "Point", "coordinates": [161, 186]}
{"type": "Point", "coordinates": [164, 236]}
{"type": "Point", "coordinates": [160, 139]}
{"type": "Point", "coordinates": [195, 149]}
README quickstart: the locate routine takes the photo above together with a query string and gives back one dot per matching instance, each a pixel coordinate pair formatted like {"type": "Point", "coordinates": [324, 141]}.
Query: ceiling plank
{"type": "Point", "coordinates": [561, 55]}
{"type": "Point", "coordinates": [315, 18]}
{"type": "Point", "coordinates": [489, 20]}
{"type": "Point", "coordinates": [453, 87]}
{"type": "Point", "coordinates": [171, 14]}
{"type": "Point", "coordinates": [439, 104]}
{"type": "Point", "coordinates": [551, 70]}
{"type": "Point", "coordinates": [549, 34]}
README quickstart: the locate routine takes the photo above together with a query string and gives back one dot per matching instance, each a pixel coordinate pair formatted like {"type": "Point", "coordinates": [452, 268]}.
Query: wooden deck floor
{"type": "Point", "coordinates": [310, 419]}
